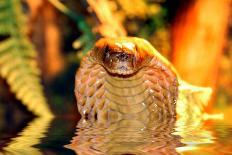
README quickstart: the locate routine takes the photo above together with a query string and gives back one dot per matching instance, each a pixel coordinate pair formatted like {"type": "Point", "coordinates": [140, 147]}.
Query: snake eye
{"type": "Point", "coordinates": [114, 59]}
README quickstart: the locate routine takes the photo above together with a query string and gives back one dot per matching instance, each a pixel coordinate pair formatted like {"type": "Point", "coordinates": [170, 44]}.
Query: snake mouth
{"type": "Point", "coordinates": [121, 71]}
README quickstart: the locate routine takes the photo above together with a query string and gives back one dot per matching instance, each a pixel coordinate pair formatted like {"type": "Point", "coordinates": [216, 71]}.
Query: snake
{"type": "Point", "coordinates": [126, 77]}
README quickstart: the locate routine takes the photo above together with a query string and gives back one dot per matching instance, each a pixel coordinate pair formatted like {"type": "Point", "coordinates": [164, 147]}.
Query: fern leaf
{"type": "Point", "coordinates": [17, 59]}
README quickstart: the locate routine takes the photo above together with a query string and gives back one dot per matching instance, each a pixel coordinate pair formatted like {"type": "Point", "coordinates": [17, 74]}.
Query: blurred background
{"type": "Point", "coordinates": [43, 41]}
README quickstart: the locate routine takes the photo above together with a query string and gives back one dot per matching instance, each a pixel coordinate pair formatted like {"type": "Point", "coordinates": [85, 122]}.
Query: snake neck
{"type": "Point", "coordinates": [151, 90]}
{"type": "Point", "coordinates": [127, 96]}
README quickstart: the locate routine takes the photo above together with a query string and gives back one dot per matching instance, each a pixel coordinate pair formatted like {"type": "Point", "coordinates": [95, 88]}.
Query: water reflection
{"type": "Point", "coordinates": [31, 135]}
{"type": "Point", "coordinates": [138, 136]}
{"type": "Point", "coordinates": [146, 137]}
{"type": "Point", "coordinates": [128, 136]}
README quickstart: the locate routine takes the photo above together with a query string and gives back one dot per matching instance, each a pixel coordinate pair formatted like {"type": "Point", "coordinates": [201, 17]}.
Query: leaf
{"type": "Point", "coordinates": [18, 59]}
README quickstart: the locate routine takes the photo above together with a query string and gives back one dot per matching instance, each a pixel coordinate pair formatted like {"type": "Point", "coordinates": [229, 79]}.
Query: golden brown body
{"type": "Point", "coordinates": [125, 77]}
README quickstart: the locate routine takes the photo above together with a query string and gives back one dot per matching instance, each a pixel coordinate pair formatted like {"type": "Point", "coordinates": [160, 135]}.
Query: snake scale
{"type": "Point", "coordinates": [126, 77]}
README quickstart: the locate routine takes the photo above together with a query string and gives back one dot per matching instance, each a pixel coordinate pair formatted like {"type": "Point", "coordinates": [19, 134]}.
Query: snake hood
{"type": "Point", "coordinates": [127, 77]}
{"type": "Point", "coordinates": [125, 55]}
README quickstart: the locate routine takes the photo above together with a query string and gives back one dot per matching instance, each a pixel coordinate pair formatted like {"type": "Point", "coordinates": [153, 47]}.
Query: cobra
{"type": "Point", "coordinates": [126, 77]}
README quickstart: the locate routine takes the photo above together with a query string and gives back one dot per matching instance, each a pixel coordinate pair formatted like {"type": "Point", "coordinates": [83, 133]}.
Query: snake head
{"type": "Point", "coordinates": [121, 56]}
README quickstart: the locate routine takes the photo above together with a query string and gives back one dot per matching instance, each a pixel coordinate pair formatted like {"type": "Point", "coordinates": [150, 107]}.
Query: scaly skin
{"type": "Point", "coordinates": [125, 77]}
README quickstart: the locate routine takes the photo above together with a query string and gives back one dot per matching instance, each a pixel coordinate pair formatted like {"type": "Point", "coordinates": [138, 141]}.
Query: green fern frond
{"type": "Point", "coordinates": [17, 59]}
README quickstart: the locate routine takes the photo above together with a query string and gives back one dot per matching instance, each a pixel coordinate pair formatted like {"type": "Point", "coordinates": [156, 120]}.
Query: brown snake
{"type": "Point", "coordinates": [125, 77]}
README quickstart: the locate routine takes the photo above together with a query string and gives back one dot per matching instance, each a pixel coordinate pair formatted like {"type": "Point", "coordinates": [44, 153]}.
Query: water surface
{"type": "Point", "coordinates": [129, 136]}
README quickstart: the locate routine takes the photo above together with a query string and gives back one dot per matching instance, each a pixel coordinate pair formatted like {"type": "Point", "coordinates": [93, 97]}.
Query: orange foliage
{"type": "Point", "coordinates": [52, 56]}
{"type": "Point", "coordinates": [49, 42]}
{"type": "Point", "coordinates": [109, 26]}
{"type": "Point", "coordinates": [139, 8]}
{"type": "Point", "coordinates": [198, 41]}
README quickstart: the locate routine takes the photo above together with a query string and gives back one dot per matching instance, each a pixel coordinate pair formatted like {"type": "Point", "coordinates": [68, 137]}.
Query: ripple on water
{"type": "Point", "coordinates": [131, 136]}
{"type": "Point", "coordinates": [127, 136]}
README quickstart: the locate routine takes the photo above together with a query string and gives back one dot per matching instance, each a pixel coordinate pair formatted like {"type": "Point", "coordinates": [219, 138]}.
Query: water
{"type": "Point", "coordinates": [130, 136]}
